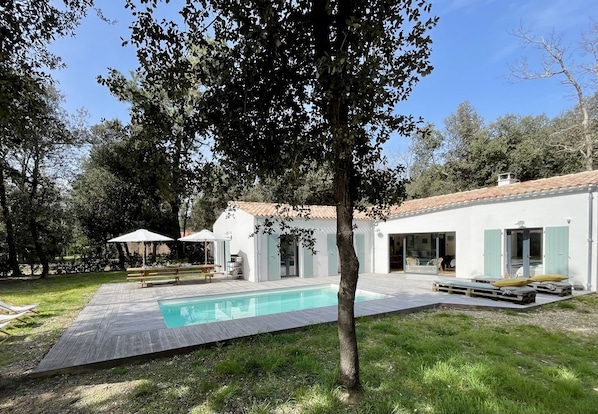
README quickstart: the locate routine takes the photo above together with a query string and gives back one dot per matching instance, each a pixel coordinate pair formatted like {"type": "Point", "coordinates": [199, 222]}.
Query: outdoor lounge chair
{"type": "Point", "coordinates": [18, 309]}
{"type": "Point", "coordinates": [12, 317]}
{"type": "Point", "coordinates": [4, 325]}
{"type": "Point", "coordinates": [551, 284]}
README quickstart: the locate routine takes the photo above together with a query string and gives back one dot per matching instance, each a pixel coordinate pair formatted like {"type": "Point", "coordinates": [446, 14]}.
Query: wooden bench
{"type": "Point", "coordinates": [198, 271]}
{"type": "Point", "coordinates": [172, 273]}
{"type": "Point", "coordinates": [143, 274]}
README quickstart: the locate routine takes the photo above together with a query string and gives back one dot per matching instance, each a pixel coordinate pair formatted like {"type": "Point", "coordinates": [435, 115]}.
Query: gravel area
{"type": "Point", "coordinates": [583, 320]}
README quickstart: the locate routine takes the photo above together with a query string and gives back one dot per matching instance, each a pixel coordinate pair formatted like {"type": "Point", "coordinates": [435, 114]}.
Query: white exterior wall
{"type": "Point", "coordinates": [320, 259]}
{"type": "Point", "coordinates": [567, 208]}
{"type": "Point", "coordinates": [469, 223]}
{"type": "Point", "coordinates": [239, 225]}
{"type": "Point", "coordinates": [254, 250]}
{"type": "Point", "coordinates": [367, 229]}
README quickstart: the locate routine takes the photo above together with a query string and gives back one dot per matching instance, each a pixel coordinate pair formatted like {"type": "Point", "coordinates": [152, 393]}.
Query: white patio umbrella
{"type": "Point", "coordinates": [203, 236]}
{"type": "Point", "coordinates": [141, 236]}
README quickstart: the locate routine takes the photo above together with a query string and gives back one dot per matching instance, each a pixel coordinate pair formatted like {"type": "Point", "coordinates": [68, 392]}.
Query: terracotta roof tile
{"type": "Point", "coordinates": [521, 189]}
{"type": "Point", "coordinates": [526, 188]}
{"type": "Point", "coordinates": [271, 210]}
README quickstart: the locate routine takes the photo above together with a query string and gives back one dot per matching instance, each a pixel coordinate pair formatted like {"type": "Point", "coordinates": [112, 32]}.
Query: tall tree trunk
{"type": "Point", "coordinates": [337, 116]}
{"type": "Point", "coordinates": [13, 262]}
{"type": "Point", "coordinates": [588, 138]}
{"type": "Point", "coordinates": [121, 256]}
{"type": "Point", "coordinates": [349, 356]}
{"type": "Point", "coordinates": [587, 148]}
{"type": "Point", "coordinates": [40, 251]}
{"type": "Point", "coordinates": [176, 228]}
{"type": "Point", "coordinates": [33, 226]}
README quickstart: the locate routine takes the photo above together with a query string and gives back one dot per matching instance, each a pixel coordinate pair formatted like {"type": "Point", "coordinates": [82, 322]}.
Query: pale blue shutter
{"type": "Point", "coordinates": [273, 257]}
{"type": "Point", "coordinates": [332, 255]}
{"type": "Point", "coordinates": [492, 243]}
{"type": "Point", "coordinates": [308, 263]}
{"type": "Point", "coordinates": [227, 257]}
{"type": "Point", "coordinates": [556, 250]}
{"type": "Point", "coordinates": [360, 251]}
{"type": "Point", "coordinates": [227, 251]}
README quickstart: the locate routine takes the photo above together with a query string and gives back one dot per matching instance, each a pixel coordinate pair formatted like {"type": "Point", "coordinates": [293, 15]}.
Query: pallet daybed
{"type": "Point", "coordinates": [554, 288]}
{"type": "Point", "coordinates": [517, 294]}
{"type": "Point", "coordinates": [551, 287]}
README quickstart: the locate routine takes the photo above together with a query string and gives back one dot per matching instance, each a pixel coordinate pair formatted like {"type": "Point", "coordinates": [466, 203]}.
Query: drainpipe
{"type": "Point", "coordinates": [257, 270]}
{"type": "Point", "coordinates": [590, 234]}
{"type": "Point", "coordinates": [373, 257]}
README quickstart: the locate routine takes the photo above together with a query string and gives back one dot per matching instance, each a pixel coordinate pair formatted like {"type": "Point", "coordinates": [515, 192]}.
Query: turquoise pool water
{"type": "Point", "coordinates": [206, 309]}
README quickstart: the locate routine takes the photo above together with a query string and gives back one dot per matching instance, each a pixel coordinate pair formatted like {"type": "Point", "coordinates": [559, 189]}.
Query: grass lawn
{"type": "Point", "coordinates": [442, 361]}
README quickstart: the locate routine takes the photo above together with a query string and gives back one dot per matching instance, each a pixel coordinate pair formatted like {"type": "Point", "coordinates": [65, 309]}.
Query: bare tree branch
{"type": "Point", "coordinates": [557, 62]}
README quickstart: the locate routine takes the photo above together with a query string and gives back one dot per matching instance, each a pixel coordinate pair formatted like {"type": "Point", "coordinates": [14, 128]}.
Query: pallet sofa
{"type": "Point", "coordinates": [517, 294]}
{"type": "Point", "coordinates": [554, 288]}
{"type": "Point", "coordinates": [169, 274]}
{"type": "Point", "coordinates": [551, 284]}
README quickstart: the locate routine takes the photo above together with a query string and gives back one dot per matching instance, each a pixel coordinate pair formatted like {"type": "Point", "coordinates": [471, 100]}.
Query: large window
{"type": "Point", "coordinates": [428, 253]}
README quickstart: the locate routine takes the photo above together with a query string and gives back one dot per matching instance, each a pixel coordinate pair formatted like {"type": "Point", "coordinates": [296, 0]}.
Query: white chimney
{"type": "Point", "coordinates": [506, 179]}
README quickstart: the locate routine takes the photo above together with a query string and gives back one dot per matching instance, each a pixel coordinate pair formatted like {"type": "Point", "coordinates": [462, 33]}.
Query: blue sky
{"type": "Point", "coordinates": [472, 50]}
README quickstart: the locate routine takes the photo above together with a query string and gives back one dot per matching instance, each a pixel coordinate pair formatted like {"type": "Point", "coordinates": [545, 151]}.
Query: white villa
{"type": "Point", "coordinates": [514, 228]}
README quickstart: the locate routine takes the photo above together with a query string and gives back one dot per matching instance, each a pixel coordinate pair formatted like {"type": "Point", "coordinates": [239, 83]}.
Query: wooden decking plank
{"type": "Point", "coordinates": [122, 321]}
{"type": "Point", "coordinates": [183, 338]}
{"type": "Point", "coordinates": [92, 341]}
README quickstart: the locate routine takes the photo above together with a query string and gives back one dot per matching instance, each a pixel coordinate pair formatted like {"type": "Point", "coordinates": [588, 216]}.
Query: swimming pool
{"type": "Point", "coordinates": [214, 308]}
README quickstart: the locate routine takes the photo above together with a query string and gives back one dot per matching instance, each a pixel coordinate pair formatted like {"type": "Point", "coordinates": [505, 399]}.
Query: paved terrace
{"type": "Point", "coordinates": [123, 322]}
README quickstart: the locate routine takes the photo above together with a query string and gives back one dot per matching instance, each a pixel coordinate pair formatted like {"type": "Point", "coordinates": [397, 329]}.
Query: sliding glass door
{"type": "Point", "coordinates": [524, 251]}
{"type": "Point", "coordinates": [289, 251]}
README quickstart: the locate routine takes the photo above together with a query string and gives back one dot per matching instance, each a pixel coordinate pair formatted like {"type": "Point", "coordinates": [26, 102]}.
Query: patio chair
{"type": "Point", "coordinates": [437, 263]}
{"type": "Point", "coordinates": [4, 325]}
{"type": "Point", "coordinates": [452, 264]}
{"type": "Point", "coordinates": [12, 317]}
{"type": "Point", "coordinates": [18, 309]}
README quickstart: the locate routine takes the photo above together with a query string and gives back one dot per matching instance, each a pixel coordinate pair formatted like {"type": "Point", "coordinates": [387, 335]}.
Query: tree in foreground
{"type": "Point", "coordinates": [307, 83]}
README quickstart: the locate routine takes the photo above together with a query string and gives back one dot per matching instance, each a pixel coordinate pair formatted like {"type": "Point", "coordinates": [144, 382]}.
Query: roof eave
{"type": "Point", "coordinates": [509, 197]}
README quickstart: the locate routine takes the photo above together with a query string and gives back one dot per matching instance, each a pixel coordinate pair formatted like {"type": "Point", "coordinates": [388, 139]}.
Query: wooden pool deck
{"type": "Point", "coordinates": [123, 322]}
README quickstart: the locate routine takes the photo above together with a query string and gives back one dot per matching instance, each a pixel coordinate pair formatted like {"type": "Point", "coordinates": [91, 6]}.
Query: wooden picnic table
{"type": "Point", "coordinates": [172, 273]}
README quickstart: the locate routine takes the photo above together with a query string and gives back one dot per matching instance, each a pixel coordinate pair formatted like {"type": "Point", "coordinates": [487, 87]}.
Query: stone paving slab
{"type": "Point", "coordinates": [123, 322]}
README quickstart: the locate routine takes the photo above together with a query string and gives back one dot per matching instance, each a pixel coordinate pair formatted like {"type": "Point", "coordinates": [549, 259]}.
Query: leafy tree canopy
{"type": "Point", "coordinates": [293, 84]}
